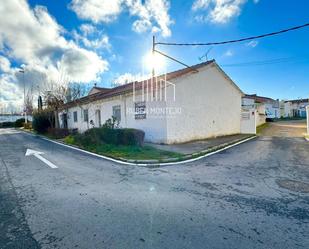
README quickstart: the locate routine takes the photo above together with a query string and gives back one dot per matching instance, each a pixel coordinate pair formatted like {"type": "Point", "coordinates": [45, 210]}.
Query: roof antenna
{"type": "Point", "coordinates": [205, 55]}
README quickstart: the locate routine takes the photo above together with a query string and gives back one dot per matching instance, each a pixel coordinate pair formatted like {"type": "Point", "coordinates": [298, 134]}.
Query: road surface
{"type": "Point", "coordinates": [254, 195]}
{"type": "Point", "coordinates": [292, 128]}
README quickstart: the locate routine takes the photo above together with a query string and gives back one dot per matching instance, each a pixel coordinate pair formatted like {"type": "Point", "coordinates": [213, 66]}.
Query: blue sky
{"type": "Point", "coordinates": [121, 36]}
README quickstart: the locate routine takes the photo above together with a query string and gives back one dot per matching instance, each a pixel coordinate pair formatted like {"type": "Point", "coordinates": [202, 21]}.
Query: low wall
{"type": "Point", "coordinates": [307, 110]}
{"type": "Point", "coordinates": [248, 121]}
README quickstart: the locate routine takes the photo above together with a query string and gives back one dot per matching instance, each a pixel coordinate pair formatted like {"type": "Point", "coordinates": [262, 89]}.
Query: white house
{"type": "Point", "coordinates": [189, 104]}
{"type": "Point", "coordinates": [264, 105]}
{"type": "Point", "coordinates": [295, 108]}
{"type": "Point", "coordinates": [250, 102]}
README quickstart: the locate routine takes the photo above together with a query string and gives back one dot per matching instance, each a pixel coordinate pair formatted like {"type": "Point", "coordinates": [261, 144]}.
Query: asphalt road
{"type": "Point", "coordinates": [254, 195]}
{"type": "Point", "coordinates": [291, 128]}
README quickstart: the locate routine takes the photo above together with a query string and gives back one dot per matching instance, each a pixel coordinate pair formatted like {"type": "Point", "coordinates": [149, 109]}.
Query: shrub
{"type": "Point", "coordinates": [19, 122]}
{"type": "Point", "coordinates": [69, 139]}
{"type": "Point", "coordinates": [58, 132]}
{"type": "Point", "coordinates": [97, 136]}
{"type": "Point", "coordinates": [131, 137]}
{"type": "Point", "coordinates": [28, 126]}
{"type": "Point", "coordinates": [41, 121]}
{"type": "Point", "coordinates": [111, 123]}
{"type": "Point", "coordinates": [7, 124]}
{"type": "Point", "coordinates": [112, 136]}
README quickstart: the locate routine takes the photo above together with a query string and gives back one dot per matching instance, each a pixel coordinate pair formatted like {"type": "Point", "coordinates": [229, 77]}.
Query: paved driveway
{"type": "Point", "coordinates": [254, 195]}
{"type": "Point", "coordinates": [295, 128]}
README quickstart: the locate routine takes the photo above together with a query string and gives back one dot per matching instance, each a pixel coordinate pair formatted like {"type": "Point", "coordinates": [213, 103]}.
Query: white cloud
{"type": "Point", "coordinates": [10, 94]}
{"type": "Point", "coordinates": [33, 37]}
{"type": "Point", "coordinates": [229, 53]}
{"type": "Point", "coordinates": [91, 38]}
{"type": "Point", "coordinates": [217, 11]}
{"type": "Point", "coordinates": [252, 44]}
{"type": "Point", "coordinates": [5, 64]}
{"type": "Point", "coordinates": [97, 10]}
{"type": "Point", "coordinates": [88, 29]}
{"type": "Point", "coordinates": [127, 78]}
{"type": "Point", "coordinates": [200, 4]}
{"type": "Point", "coordinates": [152, 15]}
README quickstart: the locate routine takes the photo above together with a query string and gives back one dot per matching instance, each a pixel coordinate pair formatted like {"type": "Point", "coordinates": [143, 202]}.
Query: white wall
{"type": "Point", "coordinates": [210, 106]}
{"type": "Point", "coordinates": [153, 126]}
{"type": "Point", "coordinates": [248, 121]}
{"type": "Point", "coordinates": [272, 111]}
{"type": "Point", "coordinates": [307, 109]}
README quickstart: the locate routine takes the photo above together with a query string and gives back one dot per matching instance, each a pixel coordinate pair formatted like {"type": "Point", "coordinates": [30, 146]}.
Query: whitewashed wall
{"type": "Point", "coordinates": [248, 121]}
{"type": "Point", "coordinates": [210, 106]}
{"type": "Point", "coordinates": [153, 126]}
{"type": "Point", "coordinates": [307, 110]}
{"type": "Point", "coordinates": [209, 102]}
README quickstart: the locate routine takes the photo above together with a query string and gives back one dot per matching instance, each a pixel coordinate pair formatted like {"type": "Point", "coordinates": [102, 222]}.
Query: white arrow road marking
{"type": "Point", "coordinates": [38, 154]}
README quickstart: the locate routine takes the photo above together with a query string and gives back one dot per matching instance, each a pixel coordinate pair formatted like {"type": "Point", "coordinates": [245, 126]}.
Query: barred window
{"type": "Point", "coordinates": [75, 116]}
{"type": "Point", "coordinates": [117, 112]}
{"type": "Point", "coordinates": [86, 115]}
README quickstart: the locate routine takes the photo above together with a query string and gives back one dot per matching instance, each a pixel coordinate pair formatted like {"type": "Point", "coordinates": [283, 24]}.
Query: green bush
{"type": "Point", "coordinates": [58, 133]}
{"type": "Point", "coordinates": [28, 125]}
{"type": "Point", "coordinates": [19, 122]}
{"type": "Point", "coordinates": [7, 124]}
{"type": "Point", "coordinates": [41, 121]}
{"type": "Point", "coordinates": [96, 136]}
{"type": "Point", "coordinates": [69, 139]}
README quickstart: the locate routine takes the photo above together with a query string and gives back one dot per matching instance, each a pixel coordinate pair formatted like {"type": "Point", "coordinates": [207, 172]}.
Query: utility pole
{"type": "Point", "coordinates": [153, 55]}
{"type": "Point", "coordinates": [24, 109]}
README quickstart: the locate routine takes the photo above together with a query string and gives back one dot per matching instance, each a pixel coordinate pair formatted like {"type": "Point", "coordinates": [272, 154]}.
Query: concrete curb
{"type": "Point", "coordinates": [156, 163]}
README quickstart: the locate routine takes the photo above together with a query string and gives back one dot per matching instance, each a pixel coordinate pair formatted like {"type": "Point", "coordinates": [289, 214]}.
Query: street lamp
{"type": "Point", "coordinates": [25, 110]}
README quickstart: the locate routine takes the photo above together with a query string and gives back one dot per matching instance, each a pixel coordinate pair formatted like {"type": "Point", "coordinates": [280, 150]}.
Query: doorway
{"type": "Point", "coordinates": [98, 118]}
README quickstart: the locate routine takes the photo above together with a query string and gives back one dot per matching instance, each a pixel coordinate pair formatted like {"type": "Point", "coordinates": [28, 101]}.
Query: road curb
{"type": "Point", "coordinates": [153, 163]}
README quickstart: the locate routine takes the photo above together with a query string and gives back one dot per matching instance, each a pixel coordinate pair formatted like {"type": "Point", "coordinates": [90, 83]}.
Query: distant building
{"type": "Point", "coordinates": [295, 108]}
{"type": "Point", "coordinates": [188, 104]}
{"type": "Point", "coordinates": [265, 107]}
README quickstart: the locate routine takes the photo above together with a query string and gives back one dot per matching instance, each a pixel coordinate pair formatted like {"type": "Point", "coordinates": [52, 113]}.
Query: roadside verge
{"type": "Point", "coordinates": [156, 163]}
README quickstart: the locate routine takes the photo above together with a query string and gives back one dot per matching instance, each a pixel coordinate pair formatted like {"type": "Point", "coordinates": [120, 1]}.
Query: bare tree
{"type": "Point", "coordinates": [55, 94]}
{"type": "Point", "coordinates": [29, 102]}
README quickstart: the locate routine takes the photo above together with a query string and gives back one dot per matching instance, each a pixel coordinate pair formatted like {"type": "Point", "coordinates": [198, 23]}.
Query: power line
{"type": "Point", "coordinates": [265, 62]}
{"type": "Point", "coordinates": [234, 41]}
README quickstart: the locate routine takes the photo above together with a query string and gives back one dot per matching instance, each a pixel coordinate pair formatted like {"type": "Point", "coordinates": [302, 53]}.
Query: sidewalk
{"type": "Point", "coordinates": [200, 145]}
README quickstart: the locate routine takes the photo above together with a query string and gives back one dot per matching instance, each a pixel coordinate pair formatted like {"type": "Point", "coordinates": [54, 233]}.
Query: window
{"type": "Point", "coordinates": [75, 117]}
{"type": "Point", "coordinates": [140, 110]}
{"type": "Point", "coordinates": [86, 115]}
{"type": "Point", "coordinates": [117, 112]}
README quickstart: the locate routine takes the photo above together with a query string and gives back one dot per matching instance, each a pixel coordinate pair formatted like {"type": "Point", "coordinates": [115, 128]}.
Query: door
{"type": "Point", "coordinates": [98, 118]}
{"type": "Point", "coordinates": [65, 121]}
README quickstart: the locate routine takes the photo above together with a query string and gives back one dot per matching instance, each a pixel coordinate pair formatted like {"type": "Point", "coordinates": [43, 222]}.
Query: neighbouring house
{"type": "Point", "coordinates": [189, 104]}
{"type": "Point", "coordinates": [249, 102]}
{"type": "Point", "coordinates": [267, 108]}
{"type": "Point", "coordinates": [295, 108]}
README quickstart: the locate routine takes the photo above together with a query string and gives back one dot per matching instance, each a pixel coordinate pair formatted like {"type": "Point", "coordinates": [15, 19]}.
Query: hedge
{"type": "Point", "coordinates": [7, 124]}
{"type": "Point", "coordinates": [97, 136]}
{"type": "Point", "coordinates": [19, 122]}
{"type": "Point", "coordinates": [41, 122]}
{"type": "Point", "coordinates": [58, 133]}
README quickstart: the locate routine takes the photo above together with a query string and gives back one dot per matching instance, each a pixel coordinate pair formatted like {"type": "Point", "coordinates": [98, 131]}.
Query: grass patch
{"type": "Point", "coordinates": [261, 127]}
{"type": "Point", "coordinates": [291, 118]}
{"type": "Point", "coordinates": [133, 152]}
